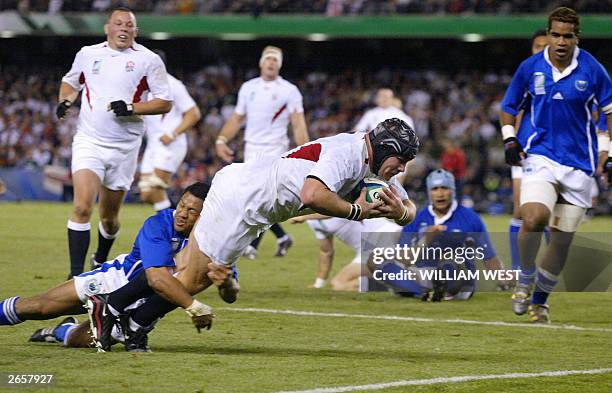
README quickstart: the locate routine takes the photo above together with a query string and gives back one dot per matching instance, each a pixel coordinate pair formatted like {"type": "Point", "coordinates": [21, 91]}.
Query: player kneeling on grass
{"type": "Point", "coordinates": [152, 259]}
{"type": "Point", "coordinates": [442, 225]}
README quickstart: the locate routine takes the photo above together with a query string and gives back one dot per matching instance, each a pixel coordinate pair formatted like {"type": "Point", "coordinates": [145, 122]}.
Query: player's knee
{"type": "Point", "coordinates": [146, 196]}
{"type": "Point", "coordinates": [82, 211]}
{"type": "Point", "coordinates": [536, 219]}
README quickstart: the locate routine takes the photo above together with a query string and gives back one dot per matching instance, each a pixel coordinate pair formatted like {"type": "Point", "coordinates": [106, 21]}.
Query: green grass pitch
{"type": "Point", "coordinates": [265, 352]}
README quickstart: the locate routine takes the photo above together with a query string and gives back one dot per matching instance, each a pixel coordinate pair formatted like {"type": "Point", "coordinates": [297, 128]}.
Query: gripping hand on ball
{"type": "Point", "coordinates": [513, 151]}
{"type": "Point", "coordinates": [120, 108]}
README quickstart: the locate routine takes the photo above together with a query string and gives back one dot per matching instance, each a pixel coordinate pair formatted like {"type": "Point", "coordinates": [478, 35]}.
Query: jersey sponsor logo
{"type": "Point", "coordinates": [581, 85]}
{"type": "Point", "coordinates": [539, 83]}
{"type": "Point", "coordinates": [96, 67]}
{"type": "Point", "coordinates": [129, 66]}
{"type": "Point", "coordinates": [558, 96]}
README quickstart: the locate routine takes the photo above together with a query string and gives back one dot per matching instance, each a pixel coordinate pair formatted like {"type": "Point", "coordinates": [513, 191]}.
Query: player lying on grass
{"type": "Point", "coordinates": [152, 259]}
{"type": "Point", "coordinates": [443, 224]}
{"type": "Point", "coordinates": [349, 232]}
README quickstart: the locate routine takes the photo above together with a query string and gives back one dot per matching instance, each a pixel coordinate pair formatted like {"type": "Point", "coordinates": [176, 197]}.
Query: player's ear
{"type": "Point", "coordinates": [106, 28]}
{"type": "Point", "coordinates": [135, 32]}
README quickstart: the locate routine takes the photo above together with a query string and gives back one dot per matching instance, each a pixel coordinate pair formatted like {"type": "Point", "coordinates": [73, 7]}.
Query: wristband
{"type": "Point", "coordinates": [355, 212]}
{"type": "Point", "coordinates": [508, 131]}
{"type": "Point", "coordinates": [221, 140]}
{"type": "Point", "coordinates": [319, 282]}
{"type": "Point", "coordinates": [603, 142]}
{"type": "Point", "coordinates": [197, 309]}
{"type": "Point", "coordinates": [404, 217]}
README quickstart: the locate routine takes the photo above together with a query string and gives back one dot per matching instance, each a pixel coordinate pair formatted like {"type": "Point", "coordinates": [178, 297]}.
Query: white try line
{"type": "Point", "coordinates": [465, 378]}
{"type": "Point", "coordinates": [416, 319]}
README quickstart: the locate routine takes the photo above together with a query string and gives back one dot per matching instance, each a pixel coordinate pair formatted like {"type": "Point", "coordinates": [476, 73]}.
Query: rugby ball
{"type": "Point", "coordinates": [373, 187]}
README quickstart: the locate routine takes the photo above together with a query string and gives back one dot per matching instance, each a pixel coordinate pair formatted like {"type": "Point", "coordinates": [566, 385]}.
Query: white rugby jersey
{"type": "Point", "coordinates": [272, 187]}
{"type": "Point", "coordinates": [268, 106]}
{"type": "Point", "coordinates": [107, 75]}
{"type": "Point", "coordinates": [374, 116]}
{"type": "Point", "coordinates": [157, 125]}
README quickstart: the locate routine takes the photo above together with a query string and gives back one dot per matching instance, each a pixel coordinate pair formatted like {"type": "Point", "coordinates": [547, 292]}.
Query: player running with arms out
{"type": "Point", "coordinates": [152, 258]}
{"type": "Point", "coordinates": [269, 104]}
{"type": "Point", "coordinates": [166, 144]}
{"type": "Point", "coordinates": [114, 77]}
{"type": "Point", "coordinates": [559, 156]}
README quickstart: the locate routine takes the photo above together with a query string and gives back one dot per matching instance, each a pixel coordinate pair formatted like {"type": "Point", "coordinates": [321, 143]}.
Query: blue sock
{"type": "Point", "coordinates": [8, 314]}
{"type": "Point", "coordinates": [515, 227]}
{"type": "Point", "coordinates": [547, 234]}
{"type": "Point", "coordinates": [527, 277]}
{"type": "Point", "coordinates": [60, 332]}
{"type": "Point", "coordinates": [411, 286]}
{"type": "Point", "coordinates": [545, 283]}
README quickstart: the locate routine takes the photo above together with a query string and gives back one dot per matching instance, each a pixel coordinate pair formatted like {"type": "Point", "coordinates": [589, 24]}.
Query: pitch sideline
{"type": "Point", "coordinates": [416, 319]}
{"type": "Point", "coordinates": [465, 378]}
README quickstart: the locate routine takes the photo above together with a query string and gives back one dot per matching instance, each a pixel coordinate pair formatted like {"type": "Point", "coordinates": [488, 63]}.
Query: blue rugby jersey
{"type": "Point", "coordinates": [461, 224]}
{"type": "Point", "coordinates": [558, 121]}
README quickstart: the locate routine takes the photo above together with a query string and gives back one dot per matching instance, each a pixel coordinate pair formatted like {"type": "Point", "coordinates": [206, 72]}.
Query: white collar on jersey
{"type": "Point", "coordinates": [444, 218]}
{"type": "Point", "coordinates": [557, 75]}
{"type": "Point", "coordinates": [117, 51]}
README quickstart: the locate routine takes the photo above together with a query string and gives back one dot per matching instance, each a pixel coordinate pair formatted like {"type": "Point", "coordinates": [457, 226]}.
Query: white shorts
{"type": "Point", "coordinates": [221, 232]}
{"type": "Point", "coordinates": [574, 185]}
{"type": "Point", "coordinates": [113, 165]}
{"type": "Point", "coordinates": [594, 188]}
{"type": "Point", "coordinates": [252, 151]}
{"type": "Point", "coordinates": [165, 157]}
{"type": "Point", "coordinates": [105, 279]}
{"type": "Point", "coordinates": [517, 172]}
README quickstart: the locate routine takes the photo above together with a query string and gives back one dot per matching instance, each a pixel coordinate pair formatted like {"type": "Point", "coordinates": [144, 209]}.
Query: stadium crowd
{"type": "Point", "coordinates": [327, 7]}
{"type": "Point", "coordinates": [455, 116]}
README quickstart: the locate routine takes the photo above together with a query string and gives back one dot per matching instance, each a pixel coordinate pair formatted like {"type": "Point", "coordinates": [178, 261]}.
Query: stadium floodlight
{"type": "Point", "coordinates": [317, 37]}
{"type": "Point", "coordinates": [473, 37]}
{"type": "Point", "coordinates": [160, 35]}
{"type": "Point", "coordinates": [7, 34]}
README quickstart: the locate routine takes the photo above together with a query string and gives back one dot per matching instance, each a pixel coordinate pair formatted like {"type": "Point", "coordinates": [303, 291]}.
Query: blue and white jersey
{"type": "Point", "coordinates": [557, 122]}
{"type": "Point", "coordinates": [463, 228]}
{"type": "Point", "coordinates": [157, 241]}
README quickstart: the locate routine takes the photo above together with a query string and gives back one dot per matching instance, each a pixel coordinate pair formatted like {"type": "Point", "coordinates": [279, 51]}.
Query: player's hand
{"type": "Point", "coordinates": [368, 210]}
{"type": "Point", "coordinates": [201, 315]}
{"type": "Point", "coordinates": [392, 207]}
{"type": "Point", "coordinates": [121, 108]}
{"type": "Point", "coordinates": [224, 152]}
{"type": "Point", "coordinates": [218, 273]}
{"type": "Point", "coordinates": [62, 108]}
{"type": "Point", "coordinates": [513, 151]}
{"type": "Point", "coordinates": [432, 232]}
{"type": "Point", "coordinates": [167, 139]}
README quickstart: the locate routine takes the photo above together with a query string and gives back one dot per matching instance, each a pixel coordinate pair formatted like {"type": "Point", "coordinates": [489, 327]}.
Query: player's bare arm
{"type": "Point", "coordinates": [190, 118]}
{"type": "Point", "coordinates": [171, 289]}
{"type": "Point", "coordinates": [300, 132]}
{"type": "Point", "coordinates": [316, 196]}
{"type": "Point", "coordinates": [228, 132]}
